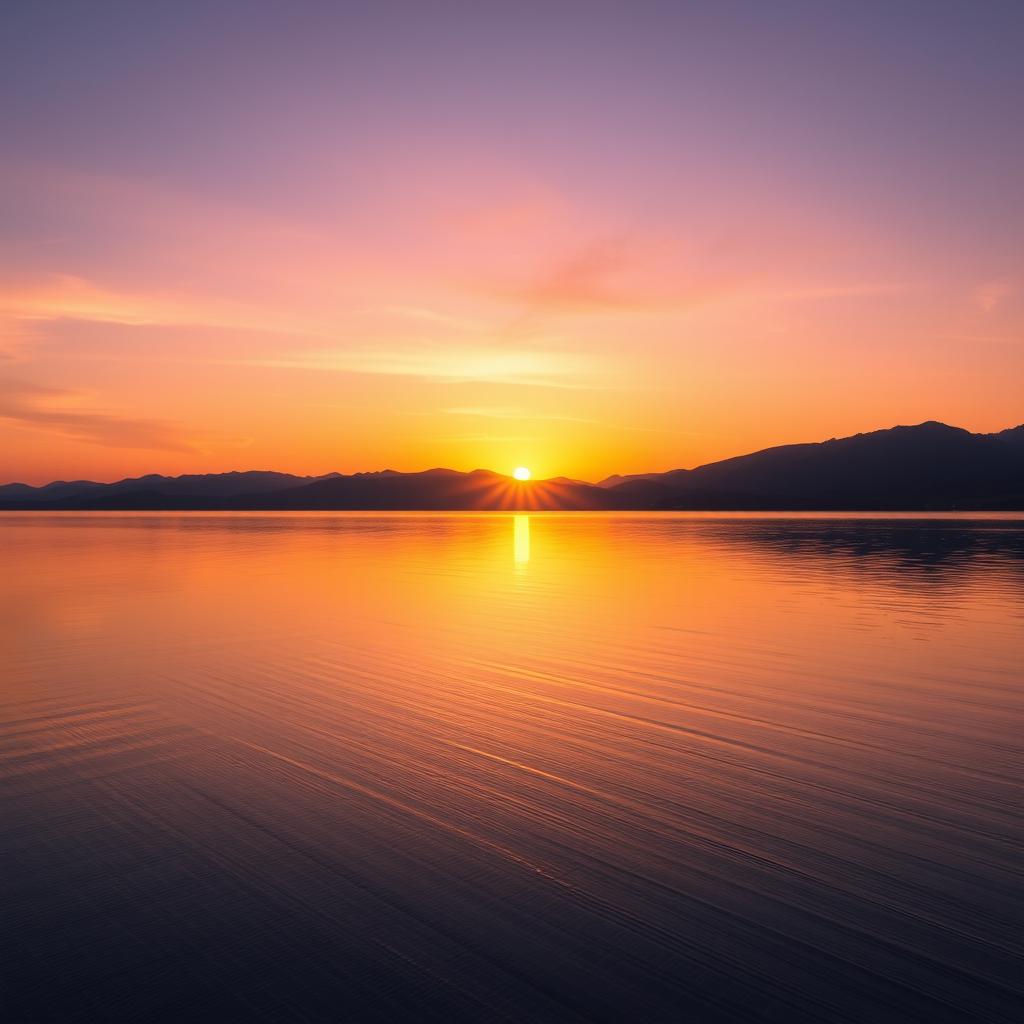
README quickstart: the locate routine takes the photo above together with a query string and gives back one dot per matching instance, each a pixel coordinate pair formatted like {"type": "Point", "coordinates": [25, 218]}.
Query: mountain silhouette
{"type": "Point", "coordinates": [930, 466]}
{"type": "Point", "coordinates": [153, 487]}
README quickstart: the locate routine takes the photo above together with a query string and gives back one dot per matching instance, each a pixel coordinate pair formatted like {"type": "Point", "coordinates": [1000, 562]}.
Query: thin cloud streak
{"type": "Point", "coordinates": [46, 409]}
{"type": "Point", "coordinates": [481, 365]}
{"type": "Point", "coordinates": [499, 412]}
{"type": "Point", "coordinates": [70, 297]}
{"type": "Point", "coordinates": [487, 438]}
{"type": "Point", "coordinates": [636, 276]}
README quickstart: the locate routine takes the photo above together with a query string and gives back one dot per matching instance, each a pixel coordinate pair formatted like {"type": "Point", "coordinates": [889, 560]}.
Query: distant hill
{"type": "Point", "coordinates": [930, 466]}
{"type": "Point", "coordinates": [208, 486]}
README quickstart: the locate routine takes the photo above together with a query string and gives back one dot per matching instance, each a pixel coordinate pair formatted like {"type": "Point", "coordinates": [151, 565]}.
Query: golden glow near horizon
{"type": "Point", "coordinates": [521, 473]}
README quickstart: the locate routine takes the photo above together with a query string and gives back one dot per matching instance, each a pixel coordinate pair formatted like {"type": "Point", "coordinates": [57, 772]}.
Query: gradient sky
{"type": "Point", "coordinates": [584, 237]}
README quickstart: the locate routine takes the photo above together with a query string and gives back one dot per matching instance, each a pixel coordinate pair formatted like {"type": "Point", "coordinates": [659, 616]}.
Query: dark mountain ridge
{"type": "Point", "coordinates": [190, 486]}
{"type": "Point", "coordinates": [927, 466]}
{"type": "Point", "coordinates": [930, 466]}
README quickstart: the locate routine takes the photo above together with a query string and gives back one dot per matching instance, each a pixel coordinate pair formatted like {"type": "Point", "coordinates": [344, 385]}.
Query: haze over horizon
{"type": "Point", "coordinates": [530, 477]}
{"type": "Point", "coordinates": [586, 239]}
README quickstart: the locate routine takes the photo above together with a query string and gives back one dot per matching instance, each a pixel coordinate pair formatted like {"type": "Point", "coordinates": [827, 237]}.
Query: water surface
{"type": "Point", "coordinates": [552, 768]}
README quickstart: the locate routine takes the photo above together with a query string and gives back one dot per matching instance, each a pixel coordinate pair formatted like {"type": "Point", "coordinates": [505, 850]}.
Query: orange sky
{"type": "Point", "coordinates": [578, 273]}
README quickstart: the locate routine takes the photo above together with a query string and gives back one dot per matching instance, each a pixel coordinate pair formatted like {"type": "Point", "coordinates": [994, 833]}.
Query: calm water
{"type": "Point", "coordinates": [420, 767]}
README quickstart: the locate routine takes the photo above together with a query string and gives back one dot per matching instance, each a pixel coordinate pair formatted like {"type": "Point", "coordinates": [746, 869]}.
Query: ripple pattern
{"type": "Point", "coordinates": [498, 767]}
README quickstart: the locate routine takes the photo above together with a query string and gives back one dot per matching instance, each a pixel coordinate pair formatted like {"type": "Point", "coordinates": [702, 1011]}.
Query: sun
{"type": "Point", "coordinates": [522, 473]}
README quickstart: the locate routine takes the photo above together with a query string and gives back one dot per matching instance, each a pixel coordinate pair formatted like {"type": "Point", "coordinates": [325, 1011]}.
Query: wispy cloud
{"type": "Point", "coordinates": [511, 412]}
{"type": "Point", "coordinates": [480, 364]}
{"type": "Point", "coordinates": [15, 338]}
{"type": "Point", "coordinates": [57, 411]}
{"type": "Point", "coordinates": [989, 295]}
{"type": "Point", "coordinates": [433, 316]}
{"type": "Point", "coordinates": [69, 297]}
{"type": "Point", "coordinates": [612, 275]}
{"type": "Point", "coordinates": [589, 279]}
{"type": "Point", "coordinates": [647, 275]}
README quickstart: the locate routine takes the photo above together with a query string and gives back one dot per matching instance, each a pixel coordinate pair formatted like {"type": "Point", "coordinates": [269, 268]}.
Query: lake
{"type": "Point", "coordinates": [573, 767]}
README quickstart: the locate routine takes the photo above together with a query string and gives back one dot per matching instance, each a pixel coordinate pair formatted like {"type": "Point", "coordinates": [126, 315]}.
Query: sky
{"type": "Point", "coordinates": [587, 238]}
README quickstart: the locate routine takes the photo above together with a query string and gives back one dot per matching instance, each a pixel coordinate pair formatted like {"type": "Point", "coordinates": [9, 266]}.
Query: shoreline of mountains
{"type": "Point", "coordinates": [927, 467]}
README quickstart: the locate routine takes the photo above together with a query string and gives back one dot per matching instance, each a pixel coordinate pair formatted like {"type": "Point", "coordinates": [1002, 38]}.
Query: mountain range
{"type": "Point", "coordinates": [927, 467]}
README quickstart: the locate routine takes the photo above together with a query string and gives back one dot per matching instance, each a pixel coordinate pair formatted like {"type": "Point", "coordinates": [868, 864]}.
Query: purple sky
{"type": "Point", "coordinates": [585, 237]}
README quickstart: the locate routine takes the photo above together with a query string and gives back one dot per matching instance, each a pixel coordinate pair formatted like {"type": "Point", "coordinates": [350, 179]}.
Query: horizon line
{"type": "Point", "coordinates": [509, 476]}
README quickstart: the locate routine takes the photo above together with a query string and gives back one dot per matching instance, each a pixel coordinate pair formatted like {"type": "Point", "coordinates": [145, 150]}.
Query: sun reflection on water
{"type": "Point", "coordinates": [521, 539]}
